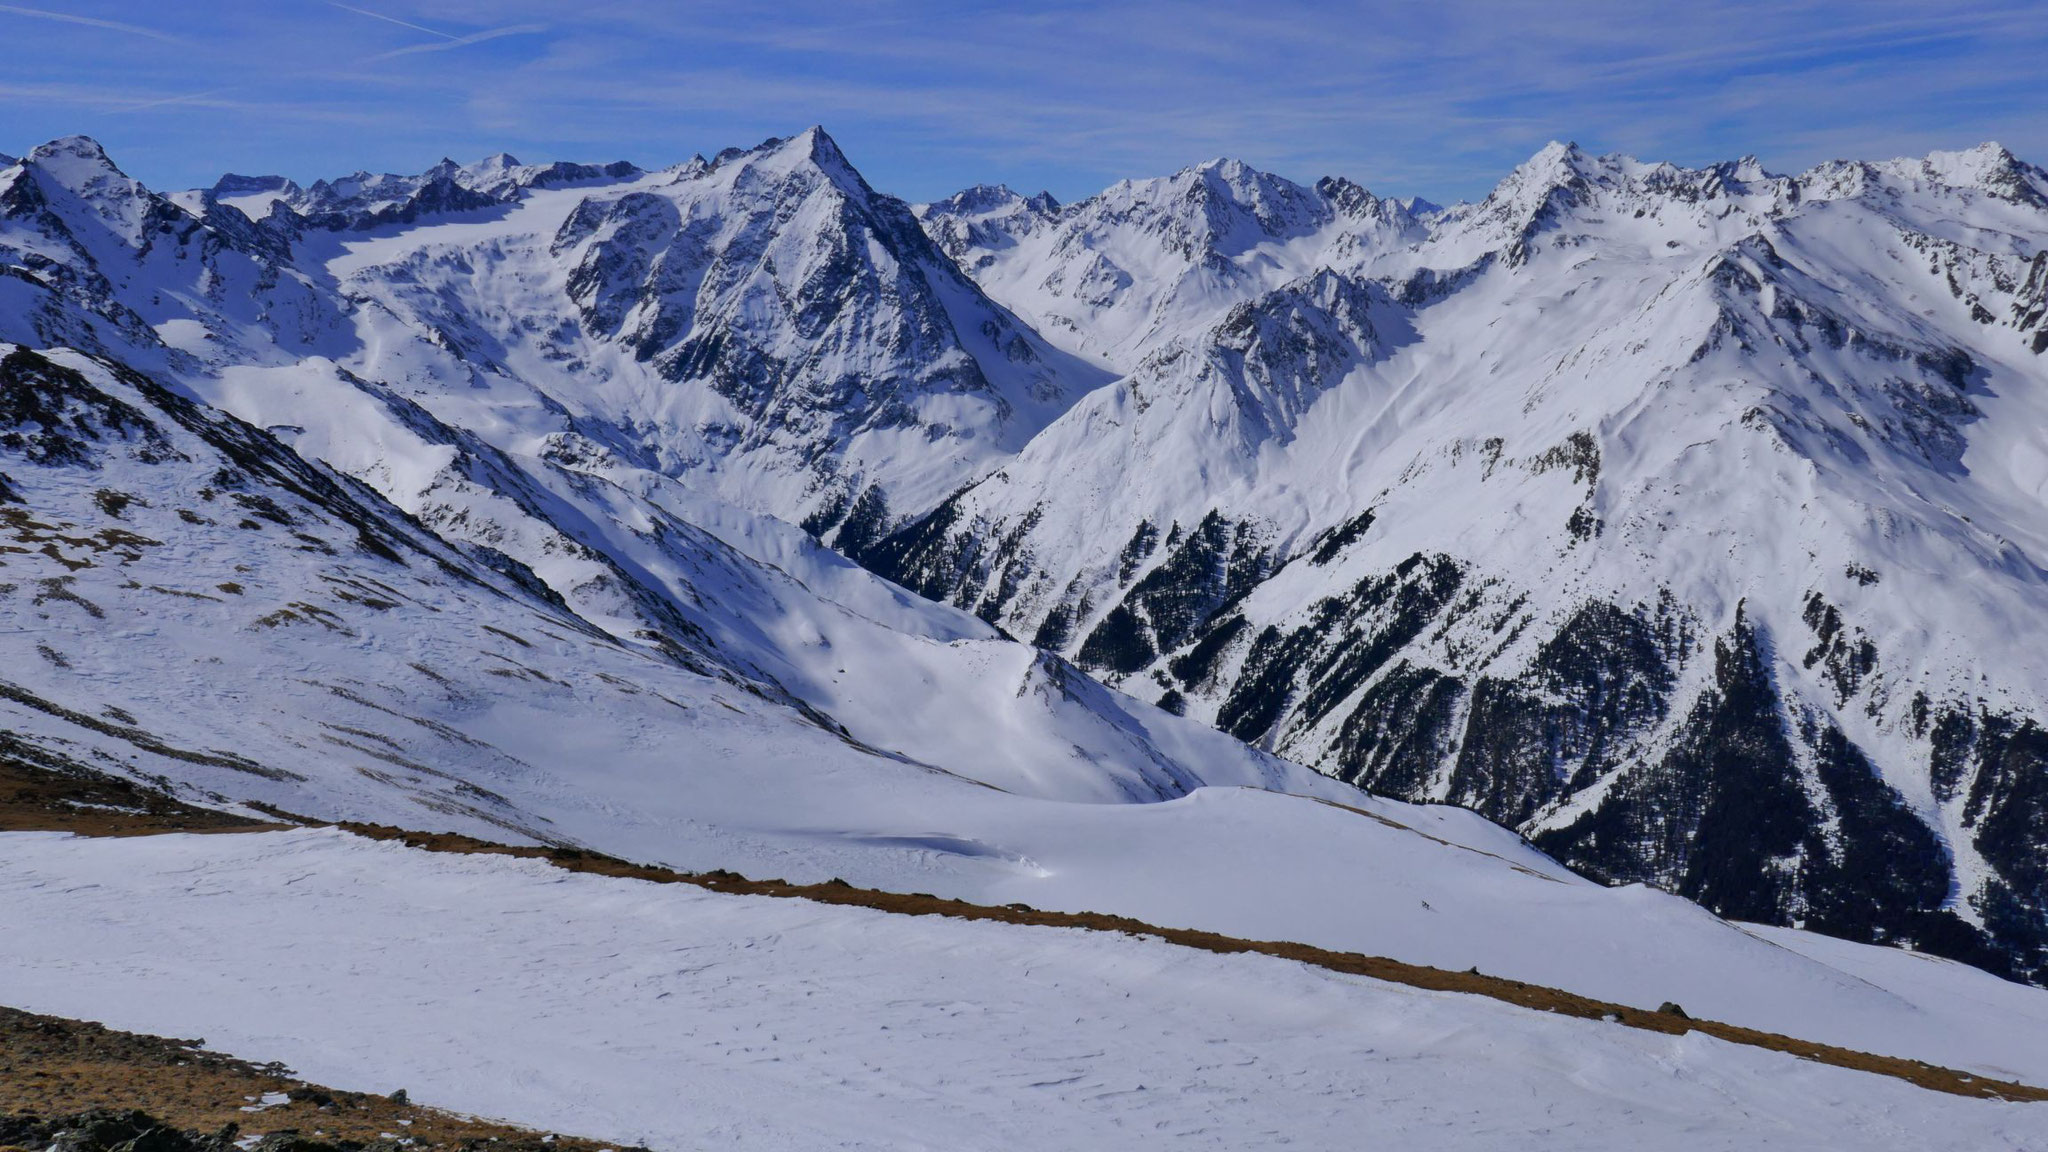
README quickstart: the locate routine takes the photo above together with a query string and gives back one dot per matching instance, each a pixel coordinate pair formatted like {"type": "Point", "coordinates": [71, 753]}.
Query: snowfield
{"type": "Point", "coordinates": [687, 1019]}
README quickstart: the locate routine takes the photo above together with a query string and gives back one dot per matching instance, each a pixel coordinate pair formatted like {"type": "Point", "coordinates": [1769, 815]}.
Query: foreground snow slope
{"type": "Point", "coordinates": [684, 1019]}
{"type": "Point", "coordinates": [200, 608]}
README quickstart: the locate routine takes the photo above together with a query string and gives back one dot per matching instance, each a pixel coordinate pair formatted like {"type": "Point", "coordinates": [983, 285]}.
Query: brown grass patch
{"type": "Point", "coordinates": [53, 1067]}
{"type": "Point", "coordinates": [90, 804]}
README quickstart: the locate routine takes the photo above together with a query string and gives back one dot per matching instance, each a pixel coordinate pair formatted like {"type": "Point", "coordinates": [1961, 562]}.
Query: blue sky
{"type": "Point", "coordinates": [1438, 99]}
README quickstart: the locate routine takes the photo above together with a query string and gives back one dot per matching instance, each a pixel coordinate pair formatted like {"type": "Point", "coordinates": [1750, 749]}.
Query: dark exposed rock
{"type": "Point", "coordinates": [2030, 309]}
{"type": "Point", "coordinates": [109, 1130]}
{"type": "Point", "coordinates": [1346, 640]}
{"type": "Point", "coordinates": [1603, 679]}
{"type": "Point", "coordinates": [1713, 818]}
{"type": "Point", "coordinates": [52, 415]}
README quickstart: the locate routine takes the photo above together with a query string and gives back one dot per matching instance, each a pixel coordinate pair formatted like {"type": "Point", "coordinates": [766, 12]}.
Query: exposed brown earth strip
{"type": "Point", "coordinates": [50, 805]}
{"type": "Point", "coordinates": [51, 1067]}
{"type": "Point", "coordinates": [1534, 996]}
{"type": "Point", "coordinates": [70, 799]}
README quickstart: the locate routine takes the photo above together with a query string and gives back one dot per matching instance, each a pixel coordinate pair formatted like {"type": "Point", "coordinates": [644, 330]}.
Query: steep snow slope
{"type": "Point", "coordinates": [680, 1018]}
{"type": "Point", "coordinates": [144, 524]}
{"type": "Point", "coordinates": [1686, 519]}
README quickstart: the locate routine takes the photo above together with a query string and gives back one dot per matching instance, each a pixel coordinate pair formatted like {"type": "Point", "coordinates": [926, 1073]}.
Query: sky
{"type": "Point", "coordinates": [1436, 99]}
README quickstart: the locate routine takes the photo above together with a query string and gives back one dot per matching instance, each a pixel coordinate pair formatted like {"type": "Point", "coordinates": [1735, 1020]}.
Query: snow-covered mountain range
{"type": "Point", "coordinates": [1687, 521]}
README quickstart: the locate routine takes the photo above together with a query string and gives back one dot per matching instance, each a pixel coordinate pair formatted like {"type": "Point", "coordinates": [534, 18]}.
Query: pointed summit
{"type": "Point", "coordinates": [1554, 165]}
{"type": "Point", "coordinates": [812, 149]}
{"type": "Point", "coordinates": [77, 147]}
{"type": "Point", "coordinates": [77, 169]}
{"type": "Point", "coordinates": [816, 146]}
{"type": "Point", "coordinates": [820, 145]}
{"type": "Point", "coordinates": [978, 198]}
{"type": "Point", "coordinates": [75, 162]}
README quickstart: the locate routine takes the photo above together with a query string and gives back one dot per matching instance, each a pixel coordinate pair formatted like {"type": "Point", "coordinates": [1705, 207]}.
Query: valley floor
{"type": "Point", "coordinates": [682, 1018]}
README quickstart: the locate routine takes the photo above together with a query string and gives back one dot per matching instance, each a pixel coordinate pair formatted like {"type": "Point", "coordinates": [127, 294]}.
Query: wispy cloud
{"type": "Point", "coordinates": [208, 98]}
{"type": "Point", "coordinates": [454, 42]}
{"type": "Point", "coordinates": [1438, 97]}
{"type": "Point", "coordinates": [91, 22]}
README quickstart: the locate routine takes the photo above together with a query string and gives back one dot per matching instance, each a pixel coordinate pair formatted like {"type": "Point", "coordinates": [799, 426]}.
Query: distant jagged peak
{"type": "Point", "coordinates": [505, 178]}
{"type": "Point", "coordinates": [990, 199]}
{"type": "Point", "coordinates": [1991, 168]}
{"type": "Point", "coordinates": [1276, 202]}
{"type": "Point", "coordinates": [1220, 207]}
{"type": "Point", "coordinates": [1565, 189]}
{"type": "Point", "coordinates": [689, 169]}
{"type": "Point", "coordinates": [1558, 162]}
{"type": "Point", "coordinates": [1348, 197]}
{"type": "Point", "coordinates": [364, 199]}
{"type": "Point", "coordinates": [985, 217]}
{"type": "Point", "coordinates": [1565, 168]}
{"type": "Point", "coordinates": [1988, 169]}
{"type": "Point", "coordinates": [363, 189]}
{"type": "Point", "coordinates": [235, 184]}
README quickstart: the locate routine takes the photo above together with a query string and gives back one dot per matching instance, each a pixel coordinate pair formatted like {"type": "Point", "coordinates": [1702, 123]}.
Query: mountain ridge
{"type": "Point", "coordinates": [1535, 505]}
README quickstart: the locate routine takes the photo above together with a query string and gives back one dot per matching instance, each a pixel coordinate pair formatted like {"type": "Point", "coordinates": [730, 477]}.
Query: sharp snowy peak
{"type": "Point", "coordinates": [618, 548]}
{"type": "Point", "coordinates": [1115, 276]}
{"type": "Point", "coordinates": [764, 323]}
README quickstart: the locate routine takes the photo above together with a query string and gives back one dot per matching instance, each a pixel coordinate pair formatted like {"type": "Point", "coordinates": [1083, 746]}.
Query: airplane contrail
{"type": "Point", "coordinates": [390, 20]}
{"type": "Point", "coordinates": [461, 41]}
